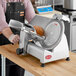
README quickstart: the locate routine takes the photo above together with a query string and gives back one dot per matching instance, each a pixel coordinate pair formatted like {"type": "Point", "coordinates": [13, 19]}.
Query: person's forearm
{"type": "Point", "coordinates": [7, 32]}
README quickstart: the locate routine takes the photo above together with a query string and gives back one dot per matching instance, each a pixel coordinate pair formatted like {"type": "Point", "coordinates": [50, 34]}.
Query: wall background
{"type": "Point", "coordinates": [47, 2]}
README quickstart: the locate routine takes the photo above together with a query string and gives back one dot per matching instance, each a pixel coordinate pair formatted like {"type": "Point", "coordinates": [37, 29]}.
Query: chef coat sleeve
{"type": "Point", "coordinates": [3, 23]}
{"type": "Point", "coordinates": [29, 10]}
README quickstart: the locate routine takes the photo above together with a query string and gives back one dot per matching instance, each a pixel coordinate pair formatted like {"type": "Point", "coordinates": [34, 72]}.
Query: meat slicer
{"type": "Point", "coordinates": [51, 47]}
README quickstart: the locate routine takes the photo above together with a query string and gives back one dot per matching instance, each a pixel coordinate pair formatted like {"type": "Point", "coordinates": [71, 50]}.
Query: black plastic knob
{"type": "Point", "coordinates": [19, 51]}
{"type": "Point", "coordinates": [74, 19]}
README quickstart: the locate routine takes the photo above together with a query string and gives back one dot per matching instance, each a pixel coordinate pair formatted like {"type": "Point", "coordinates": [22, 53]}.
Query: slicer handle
{"type": "Point", "coordinates": [30, 26]}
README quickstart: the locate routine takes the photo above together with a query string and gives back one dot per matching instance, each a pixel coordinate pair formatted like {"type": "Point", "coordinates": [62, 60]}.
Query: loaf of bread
{"type": "Point", "coordinates": [39, 30]}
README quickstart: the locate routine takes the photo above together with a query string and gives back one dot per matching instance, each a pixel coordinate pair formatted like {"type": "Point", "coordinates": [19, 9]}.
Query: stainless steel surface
{"type": "Point", "coordinates": [40, 21]}
{"type": "Point", "coordinates": [74, 37]}
{"type": "Point", "coordinates": [44, 2]}
{"type": "Point", "coordinates": [70, 31]}
{"type": "Point", "coordinates": [3, 66]}
{"type": "Point", "coordinates": [70, 4]}
{"type": "Point", "coordinates": [55, 43]}
{"type": "Point", "coordinates": [28, 74]}
{"type": "Point", "coordinates": [53, 27]}
{"type": "Point", "coordinates": [35, 50]}
{"type": "Point", "coordinates": [52, 36]}
{"type": "Point", "coordinates": [49, 2]}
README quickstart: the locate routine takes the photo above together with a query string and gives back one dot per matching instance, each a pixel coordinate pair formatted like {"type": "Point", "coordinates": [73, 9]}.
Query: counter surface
{"type": "Point", "coordinates": [31, 64]}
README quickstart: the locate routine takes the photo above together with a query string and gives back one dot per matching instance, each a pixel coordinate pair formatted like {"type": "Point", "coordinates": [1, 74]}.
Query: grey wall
{"type": "Point", "coordinates": [47, 2]}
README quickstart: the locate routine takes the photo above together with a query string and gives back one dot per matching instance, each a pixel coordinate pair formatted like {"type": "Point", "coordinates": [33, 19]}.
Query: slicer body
{"type": "Point", "coordinates": [61, 51]}
{"type": "Point", "coordinates": [50, 48]}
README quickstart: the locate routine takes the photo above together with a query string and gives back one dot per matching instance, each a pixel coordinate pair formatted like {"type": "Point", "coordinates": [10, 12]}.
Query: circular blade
{"type": "Point", "coordinates": [53, 34]}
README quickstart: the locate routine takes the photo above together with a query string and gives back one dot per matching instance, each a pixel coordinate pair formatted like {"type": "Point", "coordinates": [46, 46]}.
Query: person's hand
{"type": "Point", "coordinates": [14, 38]}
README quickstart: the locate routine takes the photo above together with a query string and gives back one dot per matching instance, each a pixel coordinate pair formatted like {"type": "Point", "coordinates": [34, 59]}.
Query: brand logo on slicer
{"type": "Point", "coordinates": [56, 24]}
{"type": "Point", "coordinates": [48, 57]}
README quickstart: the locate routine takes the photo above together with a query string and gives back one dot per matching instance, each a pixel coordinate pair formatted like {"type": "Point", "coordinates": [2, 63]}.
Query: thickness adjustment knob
{"type": "Point", "coordinates": [19, 51]}
{"type": "Point", "coordinates": [74, 19]}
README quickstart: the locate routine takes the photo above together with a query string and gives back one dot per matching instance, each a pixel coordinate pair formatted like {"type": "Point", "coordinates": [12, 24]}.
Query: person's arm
{"type": "Point", "coordinates": [3, 24]}
{"type": "Point", "coordinates": [4, 29]}
{"type": "Point", "coordinates": [29, 10]}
